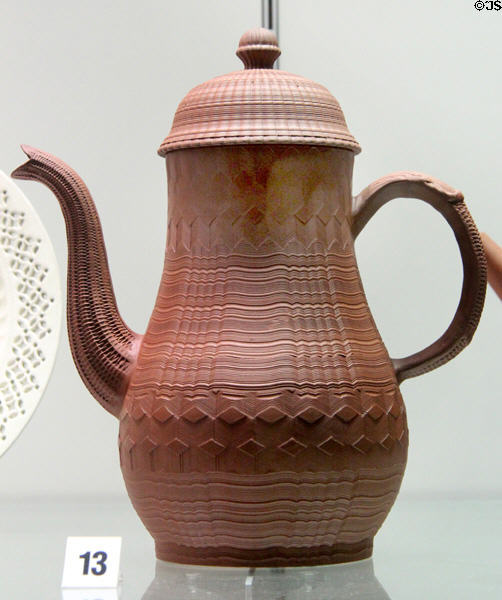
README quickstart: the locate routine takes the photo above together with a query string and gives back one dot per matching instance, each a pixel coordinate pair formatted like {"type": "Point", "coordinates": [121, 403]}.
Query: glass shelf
{"type": "Point", "coordinates": [427, 548]}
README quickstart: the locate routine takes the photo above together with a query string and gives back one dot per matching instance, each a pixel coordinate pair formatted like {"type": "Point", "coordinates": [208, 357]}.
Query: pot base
{"type": "Point", "coordinates": [265, 557]}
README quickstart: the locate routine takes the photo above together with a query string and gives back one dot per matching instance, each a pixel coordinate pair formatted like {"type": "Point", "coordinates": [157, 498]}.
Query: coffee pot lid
{"type": "Point", "coordinates": [258, 105]}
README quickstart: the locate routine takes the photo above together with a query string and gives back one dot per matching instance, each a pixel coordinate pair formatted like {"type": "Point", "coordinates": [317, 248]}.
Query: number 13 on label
{"type": "Point", "coordinates": [92, 562]}
{"type": "Point", "coordinates": [100, 568]}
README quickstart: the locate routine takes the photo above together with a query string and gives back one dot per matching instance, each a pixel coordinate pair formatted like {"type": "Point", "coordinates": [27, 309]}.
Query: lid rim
{"type": "Point", "coordinates": [256, 140]}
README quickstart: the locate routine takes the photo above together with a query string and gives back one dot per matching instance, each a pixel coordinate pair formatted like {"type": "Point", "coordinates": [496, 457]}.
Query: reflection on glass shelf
{"type": "Point", "coordinates": [90, 594]}
{"type": "Point", "coordinates": [430, 549]}
{"type": "Point", "coordinates": [337, 582]}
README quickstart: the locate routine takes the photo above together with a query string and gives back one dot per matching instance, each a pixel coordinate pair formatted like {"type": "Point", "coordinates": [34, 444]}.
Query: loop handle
{"type": "Point", "coordinates": [450, 203]}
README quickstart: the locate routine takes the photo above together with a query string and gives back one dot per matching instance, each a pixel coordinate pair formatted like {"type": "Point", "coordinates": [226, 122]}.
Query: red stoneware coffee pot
{"type": "Point", "coordinates": [261, 421]}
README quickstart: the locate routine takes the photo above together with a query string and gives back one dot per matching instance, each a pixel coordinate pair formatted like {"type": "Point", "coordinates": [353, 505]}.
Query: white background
{"type": "Point", "coordinates": [97, 84]}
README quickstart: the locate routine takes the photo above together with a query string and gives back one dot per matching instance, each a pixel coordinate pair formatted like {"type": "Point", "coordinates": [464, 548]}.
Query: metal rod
{"type": "Point", "coordinates": [270, 19]}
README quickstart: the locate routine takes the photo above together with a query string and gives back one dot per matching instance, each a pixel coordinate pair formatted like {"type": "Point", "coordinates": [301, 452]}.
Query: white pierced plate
{"type": "Point", "coordinates": [30, 310]}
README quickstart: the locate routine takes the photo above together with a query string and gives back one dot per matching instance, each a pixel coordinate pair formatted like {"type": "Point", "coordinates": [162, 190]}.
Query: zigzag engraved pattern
{"type": "Point", "coordinates": [262, 362]}
{"type": "Point", "coordinates": [260, 276]}
{"type": "Point", "coordinates": [255, 433]}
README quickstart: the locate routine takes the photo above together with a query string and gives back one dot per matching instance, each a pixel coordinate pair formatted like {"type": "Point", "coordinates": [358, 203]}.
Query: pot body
{"type": "Point", "coordinates": [263, 424]}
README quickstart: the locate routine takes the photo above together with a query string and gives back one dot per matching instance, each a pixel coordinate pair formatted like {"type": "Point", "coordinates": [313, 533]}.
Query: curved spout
{"type": "Point", "coordinates": [104, 348]}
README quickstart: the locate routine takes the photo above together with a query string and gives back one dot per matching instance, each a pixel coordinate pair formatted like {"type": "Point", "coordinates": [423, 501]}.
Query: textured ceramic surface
{"type": "Point", "coordinates": [103, 347]}
{"type": "Point", "coordinates": [261, 421]}
{"type": "Point", "coordinates": [30, 310]}
{"type": "Point", "coordinates": [258, 105]}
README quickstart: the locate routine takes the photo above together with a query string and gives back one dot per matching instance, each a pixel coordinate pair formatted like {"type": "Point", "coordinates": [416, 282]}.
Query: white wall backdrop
{"type": "Point", "coordinates": [97, 83]}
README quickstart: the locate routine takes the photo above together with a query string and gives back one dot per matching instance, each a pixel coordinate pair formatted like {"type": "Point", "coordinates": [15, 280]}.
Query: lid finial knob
{"type": "Point", "coordinates": [258, 49]}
